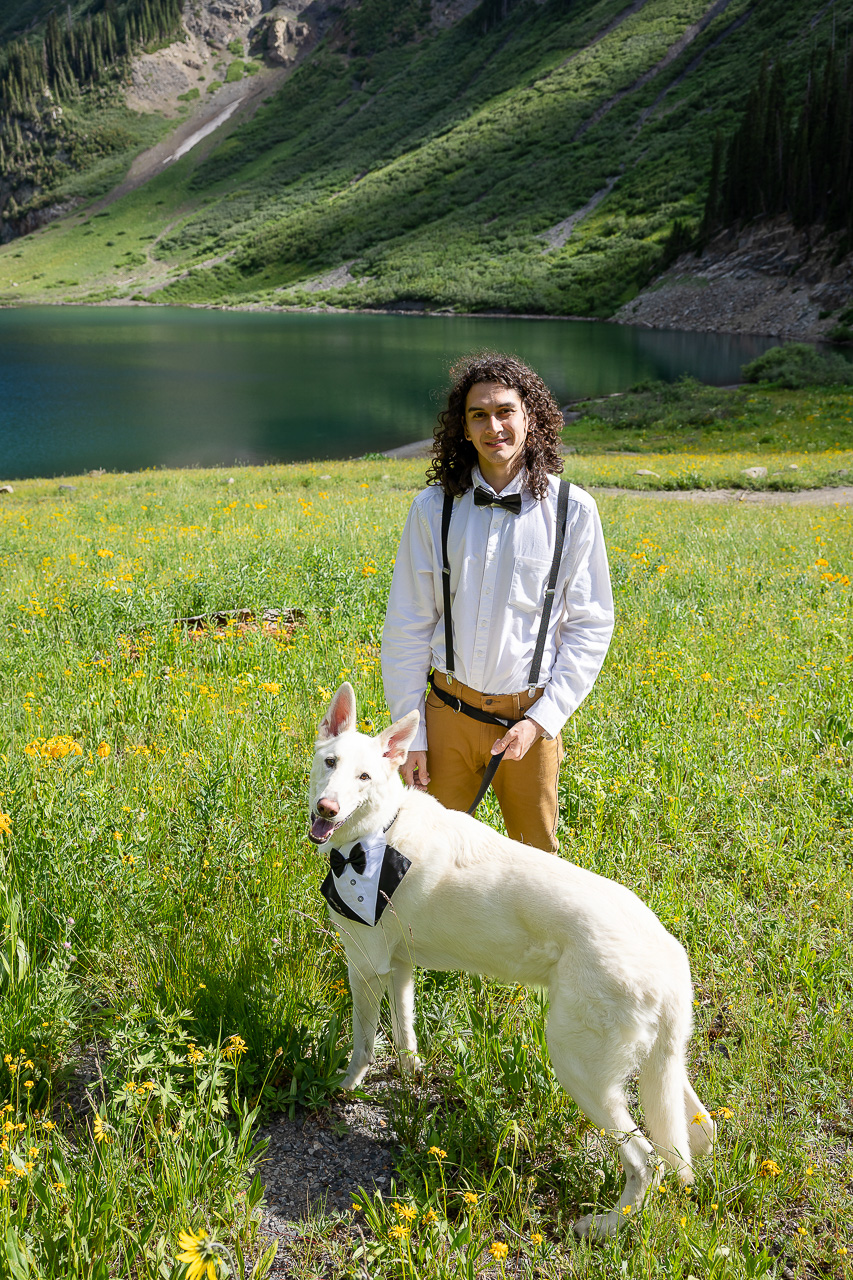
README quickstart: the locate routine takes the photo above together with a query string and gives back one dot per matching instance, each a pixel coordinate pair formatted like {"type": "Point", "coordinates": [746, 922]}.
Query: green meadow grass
{"type": "Point", "coordinates": [160, 895]}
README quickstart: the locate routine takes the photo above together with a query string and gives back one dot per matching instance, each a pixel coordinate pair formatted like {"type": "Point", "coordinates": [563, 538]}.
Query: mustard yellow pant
{"type": "Point", "coordinates": [459, 750]}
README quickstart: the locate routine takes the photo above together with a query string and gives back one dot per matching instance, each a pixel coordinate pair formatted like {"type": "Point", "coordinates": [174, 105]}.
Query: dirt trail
{"type": "Point", "coordinates": [841, 496]}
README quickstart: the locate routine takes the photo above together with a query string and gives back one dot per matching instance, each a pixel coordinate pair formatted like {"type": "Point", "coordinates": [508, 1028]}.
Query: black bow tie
{"type": "Point", "coordinates": [512, 502]}
{"type": "Point", "coordinates": [357, 860]}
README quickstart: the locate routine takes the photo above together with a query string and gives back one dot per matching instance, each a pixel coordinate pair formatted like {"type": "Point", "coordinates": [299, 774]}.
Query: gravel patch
{"type": "Point", "coordinates": [316, 1163]}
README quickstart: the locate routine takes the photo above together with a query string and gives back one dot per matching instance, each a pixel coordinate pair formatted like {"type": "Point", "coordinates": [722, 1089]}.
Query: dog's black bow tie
{"type": "Point", "coordinates": [357, 860]}
{"type": "Point", "coordinates": [512, 502]}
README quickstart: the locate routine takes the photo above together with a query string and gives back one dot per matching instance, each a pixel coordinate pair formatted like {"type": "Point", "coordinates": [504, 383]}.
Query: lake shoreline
{"type": "Point", "coordinates": [402, 312]}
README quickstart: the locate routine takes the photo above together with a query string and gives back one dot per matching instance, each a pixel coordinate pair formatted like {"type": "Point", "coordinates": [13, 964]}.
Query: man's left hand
{"type": "Point", "coordinates": [518, 740]}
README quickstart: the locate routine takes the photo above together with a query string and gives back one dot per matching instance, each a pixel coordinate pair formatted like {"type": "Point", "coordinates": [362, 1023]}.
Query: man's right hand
{"type": "Point", "coordinates": [414, 771]}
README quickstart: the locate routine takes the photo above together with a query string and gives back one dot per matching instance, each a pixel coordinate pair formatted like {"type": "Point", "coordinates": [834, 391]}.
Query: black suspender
{"type": "Point", "coordinates": [562, 516]}
{"type": "Point", "coordinates": [446, 513]}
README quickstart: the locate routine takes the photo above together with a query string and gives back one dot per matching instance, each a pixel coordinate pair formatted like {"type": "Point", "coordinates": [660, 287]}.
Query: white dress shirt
{"type": "Point", "coordinates": [499, 566]}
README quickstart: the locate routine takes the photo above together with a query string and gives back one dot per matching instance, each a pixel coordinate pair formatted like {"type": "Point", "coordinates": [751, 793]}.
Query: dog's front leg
{"type": "Point", "coordinates": [403, 1014]}
{"type": "Point", "coordinates": [367, 989]}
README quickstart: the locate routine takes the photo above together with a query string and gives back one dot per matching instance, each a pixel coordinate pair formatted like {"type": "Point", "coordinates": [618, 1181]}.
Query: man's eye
{"type": "Point", "coordinates": [364, 777]}
{"type": "Point", "coordinates": [330, 762]}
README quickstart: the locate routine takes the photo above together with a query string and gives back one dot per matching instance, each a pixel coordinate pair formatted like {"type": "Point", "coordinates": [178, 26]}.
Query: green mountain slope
{"type": "Point", "coordinates": [533, 157]}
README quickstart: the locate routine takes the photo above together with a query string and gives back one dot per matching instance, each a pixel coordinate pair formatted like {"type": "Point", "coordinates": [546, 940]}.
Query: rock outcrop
{"type": "Point", "coordinates": [767, 278]}
{"type": "Point", "coordinates": [284, 36]}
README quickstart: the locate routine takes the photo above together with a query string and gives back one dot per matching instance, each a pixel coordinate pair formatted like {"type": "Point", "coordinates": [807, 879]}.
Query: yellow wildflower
{"type": "Point", "coordinates": [234, 1048]}
{"type": "Point", "coordinates": [537, 1237]}
{"type": "Point", "coordinates": [100, 1131]}
{"type": "Point", "coordinates": [498, 1250]}
{"type": "Point", "coordinates": [104, 750]}
{"type": "Point", "coordinates": [769, 1169]}
{"type": "Point", "coordinates": [437, 1152]}
{"type": "Point", "coordinates": [199, 1253]}
{"type": "Point", "coordinates": [470, 1198]}
{"type": "Point", "coordinates": [5, 824]}
{"type": "Point", "coordinates": [399, 1233]}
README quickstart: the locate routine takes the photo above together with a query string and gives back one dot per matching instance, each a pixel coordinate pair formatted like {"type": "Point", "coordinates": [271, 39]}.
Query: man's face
{"type": "Point", "coordinates": [496, 425]}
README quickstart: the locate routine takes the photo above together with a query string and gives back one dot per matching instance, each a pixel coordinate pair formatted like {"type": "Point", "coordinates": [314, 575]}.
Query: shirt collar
{"type": "Point", "coordinates": [516, 485]}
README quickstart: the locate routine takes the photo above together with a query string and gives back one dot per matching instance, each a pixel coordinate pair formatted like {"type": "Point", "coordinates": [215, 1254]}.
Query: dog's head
{"type": "Point", "coordinates": [354, 778]}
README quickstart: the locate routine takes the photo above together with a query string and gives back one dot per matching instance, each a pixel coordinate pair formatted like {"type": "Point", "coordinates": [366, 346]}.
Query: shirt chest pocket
{"type": "Point", "coordinates": [527, 588]}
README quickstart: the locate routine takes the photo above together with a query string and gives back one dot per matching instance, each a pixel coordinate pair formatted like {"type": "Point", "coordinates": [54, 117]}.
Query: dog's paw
{"type": "Point", "coordinates": [354, 1076]}
{"type": "Point", "coordinates": [411, 1064]}
{"type": "Point", "coordinates": [598, 1226]}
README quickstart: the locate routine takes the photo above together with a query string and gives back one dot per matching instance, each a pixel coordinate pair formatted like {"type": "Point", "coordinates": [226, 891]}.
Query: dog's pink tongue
{"type": "Point", "coordinates": [321, 829]}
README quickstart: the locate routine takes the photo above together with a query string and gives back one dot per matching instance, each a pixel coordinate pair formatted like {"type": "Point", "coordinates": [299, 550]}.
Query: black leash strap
{"type": "Point", "coordinates": [449, 660]}
{"type": "Point", "coordinates": [485, 717]}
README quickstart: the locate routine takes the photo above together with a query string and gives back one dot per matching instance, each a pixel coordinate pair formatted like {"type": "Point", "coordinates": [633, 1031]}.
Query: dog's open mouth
{"type": "Point", "coordinates": [321, 829]}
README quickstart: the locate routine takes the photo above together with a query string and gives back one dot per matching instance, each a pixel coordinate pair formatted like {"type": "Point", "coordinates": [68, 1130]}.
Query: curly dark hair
{"type": "Point", "coordinates": [454, 456]}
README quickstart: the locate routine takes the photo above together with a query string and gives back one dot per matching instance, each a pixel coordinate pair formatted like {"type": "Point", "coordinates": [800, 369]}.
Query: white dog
{"type": "Point", "coordinates": [414, 883]}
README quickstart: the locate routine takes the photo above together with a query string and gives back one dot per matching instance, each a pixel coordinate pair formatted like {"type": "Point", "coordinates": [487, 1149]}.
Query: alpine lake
{"type": "Point", "coordinates": [126, 388]}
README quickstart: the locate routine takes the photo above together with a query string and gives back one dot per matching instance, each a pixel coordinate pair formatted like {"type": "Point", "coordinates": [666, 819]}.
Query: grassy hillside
{"type": "Point", "coordinates": [433, 163]}
{"type": "Point", "coordinates": [158, 879]}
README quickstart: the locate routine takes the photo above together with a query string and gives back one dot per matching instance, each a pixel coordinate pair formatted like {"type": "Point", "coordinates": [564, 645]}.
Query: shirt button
{"type": "Point", "coordinates": [352, 882]}
{"type": "Point", "coordinates": [360, 898]}
{"type": "Point", "coordinates": [488, 591]}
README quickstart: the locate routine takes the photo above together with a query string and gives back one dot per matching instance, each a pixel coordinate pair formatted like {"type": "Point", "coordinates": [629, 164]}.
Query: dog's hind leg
{"type": "Point", "coordinates": [669, 1102]}
{"type": "Point", "coordinates": [402, 1001]}
{"type": "Point", "coordinates": [701, 1130]}
{"type": "Point", "coordinates": [591, 1067]}
{"type": "Point", "coordinates": [368, 988]}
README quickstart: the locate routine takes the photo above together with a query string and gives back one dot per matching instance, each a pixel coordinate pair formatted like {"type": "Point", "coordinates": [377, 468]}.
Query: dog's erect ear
{"type": "Point", "coordinates": [341, 715]}
{"type": "Point", "coordinates": [395, 741]}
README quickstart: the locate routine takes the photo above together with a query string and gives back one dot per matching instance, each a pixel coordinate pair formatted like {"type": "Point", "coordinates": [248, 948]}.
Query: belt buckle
{"type": "Point", "coordinates": [458, 706]}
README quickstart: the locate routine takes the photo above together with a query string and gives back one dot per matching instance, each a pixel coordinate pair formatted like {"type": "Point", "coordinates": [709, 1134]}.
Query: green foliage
{"type": "Point", "coordinates": [666, 406]}
{"type": "Point", "coordinates": [235, 72]}
{"type": "Point", "coordinates": [798, 364]}
{"type": "Point", "coordinates": [235, 47]}
{"type": "Point", "coordinates": [190, 96]}
{"type": "Point", "coordinates": [776, 164]}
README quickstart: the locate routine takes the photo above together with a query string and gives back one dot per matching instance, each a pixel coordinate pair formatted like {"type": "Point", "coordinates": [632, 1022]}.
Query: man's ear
{"type": "Point", "coordinates": [340, 716]}
{"type": "Point", "coordinates": [395, 742]}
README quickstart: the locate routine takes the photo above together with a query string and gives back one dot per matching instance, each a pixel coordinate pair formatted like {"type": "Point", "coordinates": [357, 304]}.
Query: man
{"type": "Point", "coordinates": [496, 443]}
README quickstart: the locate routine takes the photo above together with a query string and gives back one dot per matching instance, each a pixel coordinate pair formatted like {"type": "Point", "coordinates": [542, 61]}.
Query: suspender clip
{"type": "Point", "coordinates": [531, 689]}
{"type": "Point", "coordinates": [448, 675]}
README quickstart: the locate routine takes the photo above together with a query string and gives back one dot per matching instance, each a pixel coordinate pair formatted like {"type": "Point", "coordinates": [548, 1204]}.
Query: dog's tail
{"type": "Point", "coordinates": [677, 1122]}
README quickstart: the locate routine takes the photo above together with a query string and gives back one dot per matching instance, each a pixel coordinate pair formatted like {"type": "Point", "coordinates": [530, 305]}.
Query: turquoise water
{"type": "Point", "coordinates": [126, 388]}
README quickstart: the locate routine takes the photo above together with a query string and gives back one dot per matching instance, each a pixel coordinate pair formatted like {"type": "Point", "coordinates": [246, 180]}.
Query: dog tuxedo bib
{"type": "Point", "coordinates": [362, 878]}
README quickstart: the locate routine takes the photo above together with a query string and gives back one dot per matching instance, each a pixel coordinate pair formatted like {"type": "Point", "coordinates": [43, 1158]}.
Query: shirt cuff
{"type": "Point", "coordinates": [548, 718]}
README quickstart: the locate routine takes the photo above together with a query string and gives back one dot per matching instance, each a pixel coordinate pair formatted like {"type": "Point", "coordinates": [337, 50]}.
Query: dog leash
{"type": "Point", "coordinates": [485, 717]}
{"type": "Point", "coordinates": [450, 661]}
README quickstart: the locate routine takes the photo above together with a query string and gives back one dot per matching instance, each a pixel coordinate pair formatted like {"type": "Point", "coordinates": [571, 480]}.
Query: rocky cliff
{"type": "Point", "coordinates": [767, 278]}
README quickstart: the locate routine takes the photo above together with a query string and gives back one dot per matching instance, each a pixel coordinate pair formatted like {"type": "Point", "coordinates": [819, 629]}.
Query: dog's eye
{"type": "Point", "coordinates": [364, 777]}
{"type": "Point", "coordinates": [330, 762]}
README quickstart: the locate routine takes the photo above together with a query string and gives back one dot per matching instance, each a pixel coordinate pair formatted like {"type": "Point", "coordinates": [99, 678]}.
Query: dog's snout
{"type": "Point", "coordinates": [328, 808]}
